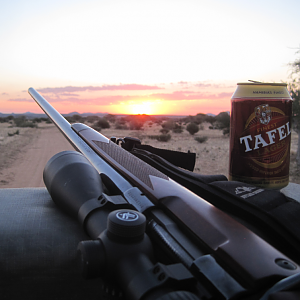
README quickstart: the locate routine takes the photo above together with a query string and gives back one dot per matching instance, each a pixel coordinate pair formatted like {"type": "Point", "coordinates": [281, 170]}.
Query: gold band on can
{"type": "Point", "coordinates": [260, 134]}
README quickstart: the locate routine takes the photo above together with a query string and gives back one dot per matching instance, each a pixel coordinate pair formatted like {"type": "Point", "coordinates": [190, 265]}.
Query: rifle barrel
{"type": "Point", "coordinates": [78, 143]}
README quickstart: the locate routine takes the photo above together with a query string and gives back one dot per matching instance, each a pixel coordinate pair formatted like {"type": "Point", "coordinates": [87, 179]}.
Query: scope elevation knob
{"type": "Point", "coordinates": [126, 225]}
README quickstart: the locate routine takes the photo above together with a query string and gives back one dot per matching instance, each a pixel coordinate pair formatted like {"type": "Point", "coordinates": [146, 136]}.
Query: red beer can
{"type": "Point", "coordinates": [260, 134]}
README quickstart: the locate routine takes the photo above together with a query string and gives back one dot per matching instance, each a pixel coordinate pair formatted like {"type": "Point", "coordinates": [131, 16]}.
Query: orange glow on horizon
{"type": "Point", "coordinates": [141, 108]}
{"type": "Point", "coordinates": [152, 107]}
{"type": "Point", "coordinates": [156, 107]}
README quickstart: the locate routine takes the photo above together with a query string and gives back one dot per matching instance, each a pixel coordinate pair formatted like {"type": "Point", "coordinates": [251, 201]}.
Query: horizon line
{"type": "Point", "coordinates": [107, 113]}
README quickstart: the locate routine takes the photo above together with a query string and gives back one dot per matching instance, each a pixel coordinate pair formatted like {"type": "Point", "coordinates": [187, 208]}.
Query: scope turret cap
{"type": "Point", "coordinates": [126, 224]}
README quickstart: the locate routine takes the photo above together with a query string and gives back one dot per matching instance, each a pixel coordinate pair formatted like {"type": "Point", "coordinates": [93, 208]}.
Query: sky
{"type": "Point", "coordinates": [176, 57]}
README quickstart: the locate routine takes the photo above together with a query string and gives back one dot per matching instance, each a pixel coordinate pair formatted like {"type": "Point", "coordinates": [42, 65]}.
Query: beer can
{"type": "Point", "coordinates": [260, 134]}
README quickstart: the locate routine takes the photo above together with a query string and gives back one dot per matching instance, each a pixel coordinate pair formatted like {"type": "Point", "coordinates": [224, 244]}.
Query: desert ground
{"type": "Point", "coordinates": [24, 155]}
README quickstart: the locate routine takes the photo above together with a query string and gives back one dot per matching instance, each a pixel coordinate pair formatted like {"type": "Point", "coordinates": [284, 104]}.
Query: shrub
{"type": "Point", "coordinates": [37, 120]}
{"type": "Point", "coordinates": [161, 137]}
{"type": "Point", "coordinates": [6, 119]}
{"type": "Point", "coordinates": [226, 131]}
{"type": "Point", "coordinates": [12, 134]}
{"type": "Point", "coordinates": [78, 118]}
{"type": "Point", "coordinates": [102, 123]}
{"type": "Point", "coordinates": [164, 130]}
{"type": "Point", "coordinates": [135, 125]}
{"type": "Point", "coordinates": [92, 118]}
{"type": "Point", "coordinates": [177, 128]}
{"type": "Point", "coordinates": [121, 126]}
{"type": "Point", "coordinates": [164, 137]}
{"type": "Point", "coordinates": [169, 125]}
{"type": "Point", "coordinates": [223, 119]}
{"type": "Point", "coordinates": [23, 122]}
{"type": "Point", "coordinates": [201, 139]}
{"type": "Point", "coordinates": [111, 118]}
{"type": "Point", "coordinates": [192, 128]}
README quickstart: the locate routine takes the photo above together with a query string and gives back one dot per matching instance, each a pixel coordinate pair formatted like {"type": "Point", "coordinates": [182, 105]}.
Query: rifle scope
{"type": "Point", "coordinates": [121, 250]}
{"type": "Point", "coordinates": [76, 187]}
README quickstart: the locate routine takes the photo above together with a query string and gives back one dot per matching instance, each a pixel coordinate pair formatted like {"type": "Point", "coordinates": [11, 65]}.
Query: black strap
{"type": "Point", "coordinates": [184, 177]}
{"type": "Point", "coordinates": [180, 159]}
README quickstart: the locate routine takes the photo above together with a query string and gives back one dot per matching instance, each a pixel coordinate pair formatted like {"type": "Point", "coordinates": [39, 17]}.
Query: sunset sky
{"type": "Point", "coordinates": [179, 57]}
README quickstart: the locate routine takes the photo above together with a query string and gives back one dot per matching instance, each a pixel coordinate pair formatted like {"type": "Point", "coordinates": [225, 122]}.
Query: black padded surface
{"type": "Point", "coordinates": [38, 249]}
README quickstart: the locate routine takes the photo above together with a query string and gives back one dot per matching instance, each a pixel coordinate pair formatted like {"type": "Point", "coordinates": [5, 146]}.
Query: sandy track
{"type": "Point", "coordinates": [24, 167]}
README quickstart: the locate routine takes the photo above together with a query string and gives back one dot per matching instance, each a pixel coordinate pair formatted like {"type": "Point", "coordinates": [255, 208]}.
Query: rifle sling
{"type": "Point", "coordinates": [177, 158]}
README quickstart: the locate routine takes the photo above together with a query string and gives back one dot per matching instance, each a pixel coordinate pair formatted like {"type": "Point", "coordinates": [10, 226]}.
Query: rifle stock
{"type": "Point", "coordinates": [213, 246]}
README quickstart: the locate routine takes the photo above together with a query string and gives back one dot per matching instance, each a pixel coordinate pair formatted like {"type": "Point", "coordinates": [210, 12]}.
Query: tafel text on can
{"type": "Point", "coordinates": [260, 134]}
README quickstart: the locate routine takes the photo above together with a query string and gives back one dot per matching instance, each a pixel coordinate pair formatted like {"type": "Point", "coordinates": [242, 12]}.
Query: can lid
{"type": "Point", "coordinates": [254, 82]}
{"type": "Point", "coordinates": [261, 90]}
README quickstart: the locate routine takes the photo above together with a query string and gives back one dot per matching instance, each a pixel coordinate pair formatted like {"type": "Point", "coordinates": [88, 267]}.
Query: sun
{"type": "Point", "coordinates": [142, 108]}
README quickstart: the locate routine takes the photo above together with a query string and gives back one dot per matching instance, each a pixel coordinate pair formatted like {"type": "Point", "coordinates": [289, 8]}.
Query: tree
{"type": "Point", "coordinates": [192, 128]}
{"type": "Point", "coordinates": [101, 124]}
{"type": "Point", "coordinates": [294, 89]}
{"type": "Point", "coordinates": [223, 119]}
{"type": "Point", "coordinates": [110, 118]}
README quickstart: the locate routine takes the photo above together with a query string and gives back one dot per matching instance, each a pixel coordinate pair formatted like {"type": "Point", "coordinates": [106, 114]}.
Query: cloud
{"type": "Point", "coordinates": [189, 95]}
{"type": "Point", "coordinates": [213, 85]}
{"type": "Point", "coordinates": [69, 95]}
{"type": "Point", "coordinates": [202, 85]}
{"type": "Point", "coordinates": [121, 87]}
{"type": "Point", "coordinates": [4, 94]}
{"type": "Point", "coordinates": [117, 99]}
{"type": "Point", "coordinates": [20, 100]}
{"type": "Point", "coordinates": [225, 95]}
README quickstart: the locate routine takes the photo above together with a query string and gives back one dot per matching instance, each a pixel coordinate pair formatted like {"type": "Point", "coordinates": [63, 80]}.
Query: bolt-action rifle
{"type": "Point", "coordinates": [154, 237]}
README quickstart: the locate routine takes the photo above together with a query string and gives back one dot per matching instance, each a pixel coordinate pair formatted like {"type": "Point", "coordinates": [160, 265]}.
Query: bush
{"type": "Point", "coordinates": [121, 126]}
{"type": "Point", "coordinates": [160, 138]}
{"type": "Point", "coordinates": [201, 139]}
{"type": "Point", "coordinates": [164, 131]}
{"type": "Point", "coordinates": [111, 118]}
{"type": "Point", "coordinates": [135, 125]}
{"type": "Point", "coordinates": [102, 123]}
{"type": "Point", "coordinates": [37, 120]}
{"type": "Point", "coordinates": [177, 128]}
{"type": "Point", "coordinates": [23, 122]}
{"type": "Point", "coordinates": [92, 118]}
{"type": "Point", "coordinates": [226, 131]}
{"type": "Point", "coordinates": [164, 137]}
{"type": "Point", "coordinates": [198, 119]}
{"type": "Point", "coordinates": [12, 134]}
{"type": "Point", "coordinates": [223, 120]}
{"type": "Point", "coordinates": [192, 128]}
{"type": "Point", "coordinates": [6, 119]}
{"type": "Point", "coordinates": [169, 125]}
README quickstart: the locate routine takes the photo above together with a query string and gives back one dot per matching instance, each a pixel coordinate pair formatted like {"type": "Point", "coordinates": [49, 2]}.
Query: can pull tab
{"type": "Point", "coordinates": [254, 81]}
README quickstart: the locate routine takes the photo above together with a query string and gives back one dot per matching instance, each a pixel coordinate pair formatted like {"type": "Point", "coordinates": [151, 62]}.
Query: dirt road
{"type": "Point", "coordinates": [24, 166]}
{"type": "Point", "coordinates": [24, 156]}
